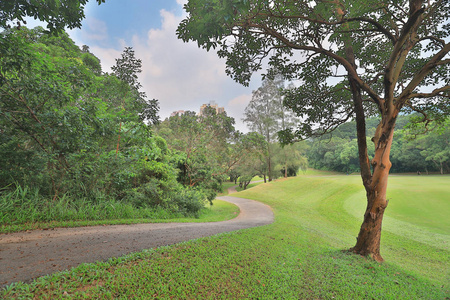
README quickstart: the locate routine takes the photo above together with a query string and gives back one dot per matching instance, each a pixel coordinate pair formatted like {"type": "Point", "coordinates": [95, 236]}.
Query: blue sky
{"type": "Point", "coordinates": [127, 18]}
{"type": "Point", "coordinates": [179, 75]}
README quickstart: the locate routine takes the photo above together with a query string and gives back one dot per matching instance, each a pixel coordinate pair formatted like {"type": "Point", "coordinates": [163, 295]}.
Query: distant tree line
{"type": "Point", "coordinates": [416, 148]}
{"type": "Point", "coordinates": [413, 150]}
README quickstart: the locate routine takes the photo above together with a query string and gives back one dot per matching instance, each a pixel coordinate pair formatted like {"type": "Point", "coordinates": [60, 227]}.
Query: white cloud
{"type": "Point", "coordinates": [235, 108]}
{"type": "Point", "coordinates": [94, 30]}
{"type": "Point", "coordinates": [107, 56]}
{"type": "Point", "coordinates": [180, 75]}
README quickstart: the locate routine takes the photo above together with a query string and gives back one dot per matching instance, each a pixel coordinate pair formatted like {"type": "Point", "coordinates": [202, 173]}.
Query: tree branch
{"type": "Point", "coordinates": [432, 38]}
{"type": "Point", "coordinates": [378, 26]}
{"type": "Point", "coordinates": [434, 93]}
{"type": "Point", "coordinates": [346, 64]}
{"type": "Point", "coordinates": [399, 53]}
{"type": "Point", "coordinates": [443, 62]}
{"type": "Point", "coordinates": [419, 76]}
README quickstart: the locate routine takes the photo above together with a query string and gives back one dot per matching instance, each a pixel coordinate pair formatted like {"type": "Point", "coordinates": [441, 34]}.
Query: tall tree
{"type": "Point", "coordinates": [126, 69]}
{"type": "Point", "coordinates": [266, 116]}
{"type": "Point", "coordinates": [353, 58]}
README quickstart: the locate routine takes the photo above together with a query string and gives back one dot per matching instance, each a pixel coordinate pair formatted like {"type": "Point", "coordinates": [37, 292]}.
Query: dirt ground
{"type": "Point", "coordinates": [28, 255]}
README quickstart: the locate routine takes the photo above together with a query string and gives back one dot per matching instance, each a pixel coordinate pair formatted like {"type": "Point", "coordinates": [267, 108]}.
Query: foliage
{"type": "Point", "coordinates": [189, 201]}
{"type": "Point", "coordinates": [200, 147]}
{"type": "Point", "coordinates": [22, 206]}
{"type": "Point", "coordinates": [252, 150]}
{"type": "Point", "coordinates": [434, 146]}
{"type": "Point", "coordinates": [291, 159]}
{"type": "Point", "coordinates": [63, 123]}
{"type": "Point", "coordinates": [91, 61]}
{"type": "Point", "coordinates": [58, 14]}
{"type": "Point", "coordinates": [338, 151]}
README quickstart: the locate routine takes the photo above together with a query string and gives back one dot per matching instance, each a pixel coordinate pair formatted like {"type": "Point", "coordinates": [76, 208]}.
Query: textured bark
{"type": "Point", "coordinates": [368, 240]}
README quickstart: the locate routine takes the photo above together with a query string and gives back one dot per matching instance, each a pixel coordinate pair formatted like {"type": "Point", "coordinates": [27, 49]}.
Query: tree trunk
{"type": "Point", "coordinates": [246, 183]}
{"type": "Point", "coordinates": [375, 181]}
{"type": "Point", "coordinates": [285, 160]}
{"type": "Point", "coordinates": [368, 240]}
{"type": "Point", "coordinates": [269, 163]}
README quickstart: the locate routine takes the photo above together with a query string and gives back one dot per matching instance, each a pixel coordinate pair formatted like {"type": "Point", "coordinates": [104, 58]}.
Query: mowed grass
{"type": "Point", "coordinates": [299, 256]}
{"type": "Point", "coordinates": [421, 200]}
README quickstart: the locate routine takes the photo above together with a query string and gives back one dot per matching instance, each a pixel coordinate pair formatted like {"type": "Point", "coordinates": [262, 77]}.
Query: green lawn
{"type": "Point", "coordinates": [298, 257]}
{"type": "Point", "coordinates": [421, 200]}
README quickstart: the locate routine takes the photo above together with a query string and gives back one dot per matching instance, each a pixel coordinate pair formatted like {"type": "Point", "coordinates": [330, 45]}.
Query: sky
{"type": "Point", "coordinates": [180, 75]}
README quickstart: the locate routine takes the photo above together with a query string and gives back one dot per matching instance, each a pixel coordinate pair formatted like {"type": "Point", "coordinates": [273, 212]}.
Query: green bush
{"type": "Point", "coordinates": [148, 194]}
{"type": "Point", "coordinates": [189, 202]}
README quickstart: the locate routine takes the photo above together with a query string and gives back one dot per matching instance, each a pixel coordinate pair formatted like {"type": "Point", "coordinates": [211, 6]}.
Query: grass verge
{"type": "Point", "coordinates": [219, 211]}
{"type": "Point", "coordinates": [298, 257]}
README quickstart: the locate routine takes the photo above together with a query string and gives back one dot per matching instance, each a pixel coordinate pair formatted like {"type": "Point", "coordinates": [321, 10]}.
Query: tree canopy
{"type": "Point", "coordinates": [58, 14]}
{"type": "Point", "coordinates": [311, 41]}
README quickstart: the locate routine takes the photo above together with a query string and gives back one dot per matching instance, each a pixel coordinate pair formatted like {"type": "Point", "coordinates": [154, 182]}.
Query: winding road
{"type": "Point", "coordinates": [28, 255]}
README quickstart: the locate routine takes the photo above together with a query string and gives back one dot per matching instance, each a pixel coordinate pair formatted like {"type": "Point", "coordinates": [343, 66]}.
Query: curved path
{"type": "Point", "coordinates": [27, 255]}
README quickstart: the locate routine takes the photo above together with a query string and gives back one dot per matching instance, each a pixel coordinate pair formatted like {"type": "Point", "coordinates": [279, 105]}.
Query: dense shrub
{"type": "Point", "coordinates": [189, 202]}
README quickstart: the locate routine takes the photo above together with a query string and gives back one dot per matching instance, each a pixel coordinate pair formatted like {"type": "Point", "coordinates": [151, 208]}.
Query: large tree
{"type": "Point", "coordinates": [264, 114]}
{"type": "Point", "coordinates": [126, 69]}
{"type": "Point", "coordinates": [353, 59]}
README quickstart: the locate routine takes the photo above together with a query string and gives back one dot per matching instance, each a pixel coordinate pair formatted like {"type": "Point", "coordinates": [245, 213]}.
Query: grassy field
{"type": "Point", "coordinates": [299, 256]}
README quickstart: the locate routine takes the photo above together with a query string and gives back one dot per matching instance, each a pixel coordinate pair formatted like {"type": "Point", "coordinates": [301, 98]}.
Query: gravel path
{"type": "Point", "coordinates": [28, 255]}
